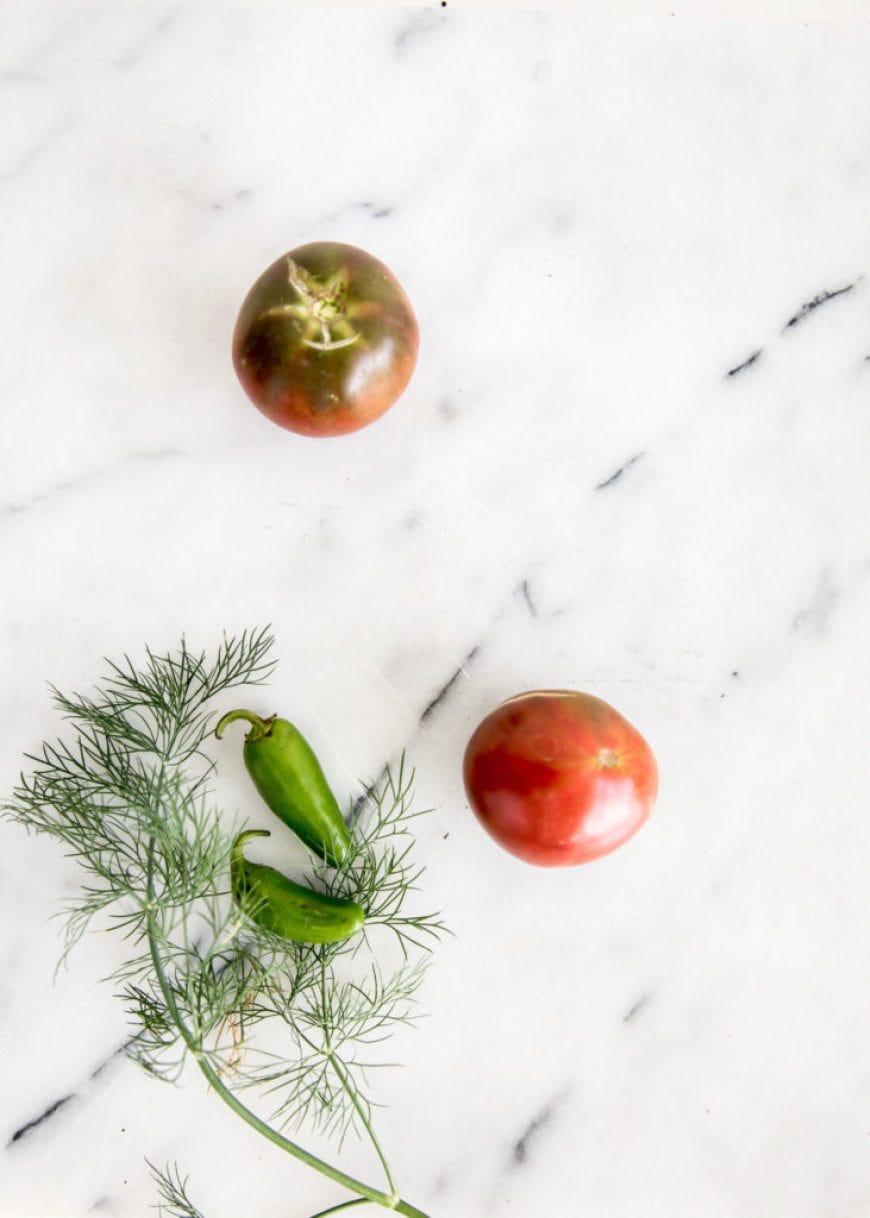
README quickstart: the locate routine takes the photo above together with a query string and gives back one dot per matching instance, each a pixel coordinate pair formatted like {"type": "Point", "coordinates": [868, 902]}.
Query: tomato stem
{"type": "Point", "coordinates": [323, 308]}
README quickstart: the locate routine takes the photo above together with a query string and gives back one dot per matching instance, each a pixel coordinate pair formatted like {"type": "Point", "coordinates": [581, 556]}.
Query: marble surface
{"type": "Point", "coordinates": [633, 460]}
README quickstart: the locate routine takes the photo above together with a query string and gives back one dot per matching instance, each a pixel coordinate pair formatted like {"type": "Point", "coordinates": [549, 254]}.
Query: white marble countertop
{"type": "Point", "coordinates": [633, 460]}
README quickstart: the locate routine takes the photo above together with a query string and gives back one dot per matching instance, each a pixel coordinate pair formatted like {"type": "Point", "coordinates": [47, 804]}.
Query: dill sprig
{"type": "Point", "coordinates": [130, 796]}
{"type": "Point", "coordinates": [172, 1189]}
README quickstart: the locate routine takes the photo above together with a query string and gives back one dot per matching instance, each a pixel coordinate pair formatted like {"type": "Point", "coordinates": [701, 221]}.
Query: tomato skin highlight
{"type": "Point", "coordinates": [326, 340]}
{"type": "Point", "coordinates": [559, 777]}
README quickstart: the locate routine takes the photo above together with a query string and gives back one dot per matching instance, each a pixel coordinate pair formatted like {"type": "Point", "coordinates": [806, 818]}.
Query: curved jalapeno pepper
{"type": "Point", "coordinates": [286, 908]}
{"type": "Point", "coordinates": [288, 776]}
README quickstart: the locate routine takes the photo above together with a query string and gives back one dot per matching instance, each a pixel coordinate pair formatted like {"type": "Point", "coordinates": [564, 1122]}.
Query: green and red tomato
{"type": "Point", "coordinates": [326, 340]}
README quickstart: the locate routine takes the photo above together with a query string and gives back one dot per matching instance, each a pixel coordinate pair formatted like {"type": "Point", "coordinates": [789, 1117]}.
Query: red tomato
{"type": "Point", "coordinates": [559, 777]}
{"type": "Point", "coordinates": [325, 341]}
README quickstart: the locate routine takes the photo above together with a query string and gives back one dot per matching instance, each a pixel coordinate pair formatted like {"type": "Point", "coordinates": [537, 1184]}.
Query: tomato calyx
{"type": "Point", "coordinates": [322, 309]}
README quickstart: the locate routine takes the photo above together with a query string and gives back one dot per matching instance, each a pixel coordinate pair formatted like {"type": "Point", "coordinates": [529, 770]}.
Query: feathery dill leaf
{"type": "Point", "coordinates": [129, 796]}
{"type": "Point", "coordinates": [174, 1201]}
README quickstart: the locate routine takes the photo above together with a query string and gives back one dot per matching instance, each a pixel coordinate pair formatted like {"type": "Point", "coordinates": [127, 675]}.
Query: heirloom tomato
{"type": "Point", "coordinates": [558, 777]}
{"type": "Point", "coordinates": [326, 340]}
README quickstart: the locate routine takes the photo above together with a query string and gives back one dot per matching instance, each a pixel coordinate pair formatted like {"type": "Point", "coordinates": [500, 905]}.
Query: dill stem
{"type": "Point", "coordinates": [340, 1073]}
{"type": "Point", "coordinates": [342, 1077]}
{"type": "Point", "coordinates": [342, 1205]}
{"type": "Point", "coordinates": [363, 1116]}
{"type": "Point", "coordinates": [364, 1191]}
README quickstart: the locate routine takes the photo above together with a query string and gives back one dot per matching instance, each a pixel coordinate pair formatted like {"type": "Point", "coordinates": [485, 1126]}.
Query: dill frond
{"type": "Point", "coordinates": [174, 1200]}
{"type": "Point", "coordinates": [129, 794]}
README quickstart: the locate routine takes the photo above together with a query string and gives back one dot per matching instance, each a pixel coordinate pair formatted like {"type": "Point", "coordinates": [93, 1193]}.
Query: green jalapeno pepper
{"type": "Point", "coordinates": [288, 776]}
{"type": "Point", "coordinates": [286, 908]}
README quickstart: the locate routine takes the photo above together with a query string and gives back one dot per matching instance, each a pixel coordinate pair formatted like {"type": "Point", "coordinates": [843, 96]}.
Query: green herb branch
{"type": "Point", "coordinates": [294, 1025]}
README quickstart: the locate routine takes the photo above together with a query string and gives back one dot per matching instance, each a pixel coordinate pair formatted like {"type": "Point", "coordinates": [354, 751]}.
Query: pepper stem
{"type": "Point", "coordinates": [236, 854]}
{"type": "Point", "coordinates": [259, 727]}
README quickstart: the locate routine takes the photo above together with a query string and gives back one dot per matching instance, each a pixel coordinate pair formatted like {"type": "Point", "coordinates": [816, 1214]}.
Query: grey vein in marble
{"type": "Point", "coordinates": [32, 68]}
{"type": "Point", "coordinates": [34, 1122]}
{"type": "Point", "coordinates": [51, 1110]}
{"type": "Point", "coordinates": [525, 592]}
{"type": "Point", "coordinates": [377, 211]}
{"type": "Point", "coordinates": [39, 147]}
{"type": "Point", "coordinates": [148, 40]}
{"type": "Point", "coordinates": [444, 691]}
{"type": "Point", "coordinates": [85, 479]}
{"type": "Point", "coordinates": [636, 1007]}
{"type": "Point", "coordinates": [747, 363]}
{"type": "Point", "coordinates": [232, 199]}
{"type": "Point", "coordinates": [418, 26]}
{"type": "Point", "coordinates": [822, 298]}
{"type": "Point", "coordinates": [619, 473]}
{"type": "Point", "coordinates": [816, 613]}
{"type": "Point", "coordinates": [535, 1128]}
{"type": "Point", "coordinates": [810, 307]}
